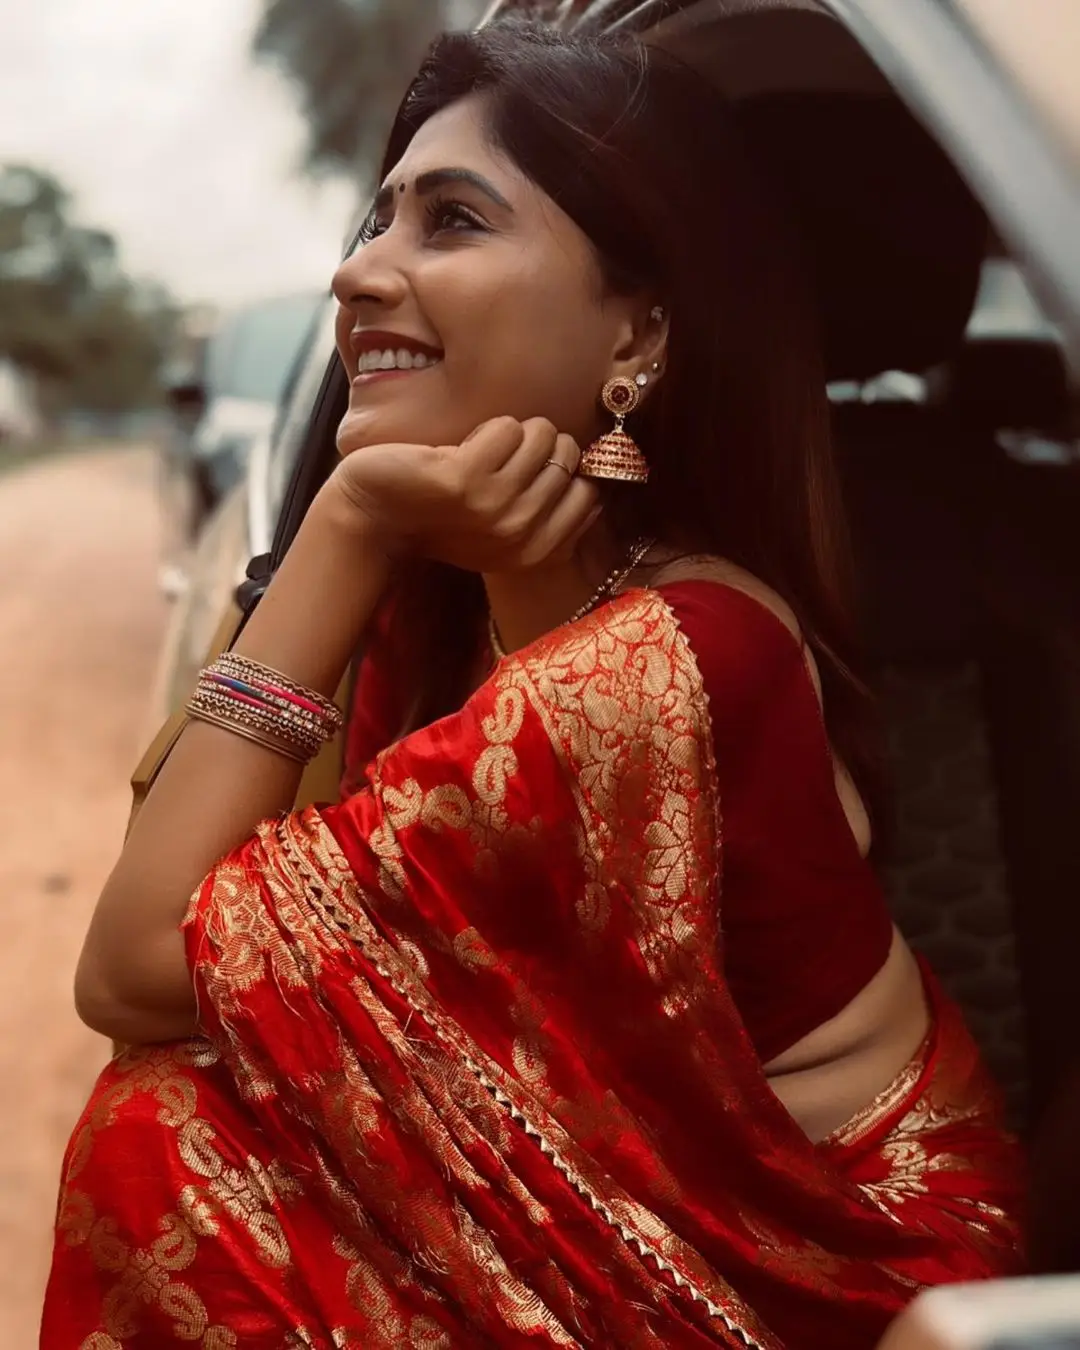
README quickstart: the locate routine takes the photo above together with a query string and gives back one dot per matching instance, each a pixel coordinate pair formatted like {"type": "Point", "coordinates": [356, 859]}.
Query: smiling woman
{"type": "Point", "coordinates": [581, 1019]}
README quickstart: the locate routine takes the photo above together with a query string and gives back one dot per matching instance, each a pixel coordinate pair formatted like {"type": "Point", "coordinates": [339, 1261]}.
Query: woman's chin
{"type": "Point", "coordinates": [358, 430]}
{"type": "Point", "coordinates": [361, 428]}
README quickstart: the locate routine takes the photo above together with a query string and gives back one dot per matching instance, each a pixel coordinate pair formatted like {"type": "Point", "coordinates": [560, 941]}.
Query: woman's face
{"type": "Point", "coordinates": [474, 297]}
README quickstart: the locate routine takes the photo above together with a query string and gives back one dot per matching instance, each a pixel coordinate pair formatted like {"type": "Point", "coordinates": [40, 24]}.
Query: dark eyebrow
{"type": "Point", "coordinates": [438, 178]}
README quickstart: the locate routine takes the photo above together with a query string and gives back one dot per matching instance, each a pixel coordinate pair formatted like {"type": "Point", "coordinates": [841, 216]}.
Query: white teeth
{"type": "Point", "coordinates": [402, 359]}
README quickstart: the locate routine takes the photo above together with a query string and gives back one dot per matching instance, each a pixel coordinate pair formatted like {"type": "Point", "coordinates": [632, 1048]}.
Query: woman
{"type": "Point", "coordinates": [581, 1020]}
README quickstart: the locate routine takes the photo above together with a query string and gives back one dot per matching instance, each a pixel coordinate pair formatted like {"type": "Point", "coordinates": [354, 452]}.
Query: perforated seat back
{"type": "Point", "coordinates": [913, 503]}
{"type": "Point", "coordinates": [946, 874]}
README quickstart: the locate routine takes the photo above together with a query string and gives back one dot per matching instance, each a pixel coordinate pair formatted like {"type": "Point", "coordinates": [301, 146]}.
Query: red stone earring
{"type": "Point", "coordinates": [616, 455]}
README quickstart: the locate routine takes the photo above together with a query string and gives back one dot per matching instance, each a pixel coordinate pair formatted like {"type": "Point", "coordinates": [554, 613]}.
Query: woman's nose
{"type": "Point", "coordinates": [370, 275]}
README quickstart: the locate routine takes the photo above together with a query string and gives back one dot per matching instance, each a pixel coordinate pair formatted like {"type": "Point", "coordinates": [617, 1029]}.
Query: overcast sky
{"type": "Point", "coordinates": [151, 112]}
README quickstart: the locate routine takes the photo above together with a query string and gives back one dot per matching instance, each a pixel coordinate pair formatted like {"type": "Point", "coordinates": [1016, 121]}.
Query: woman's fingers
{"type": "Point", "coordinates": [566, 456]}
{"type": "Point", "coordinates": [539, 442]}
{"type": "Point", "coordinates": [522, 479]}
{"type": "Point", "coordinates": [551, 480]}
{"type": "Point", "coordinates": [492, 445]}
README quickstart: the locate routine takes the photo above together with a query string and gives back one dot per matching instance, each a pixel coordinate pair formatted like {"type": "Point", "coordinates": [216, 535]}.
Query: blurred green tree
{"type": "Point", "coordinates": [351, 61]}
{"type": "Point", "coordinates": [68, 315]}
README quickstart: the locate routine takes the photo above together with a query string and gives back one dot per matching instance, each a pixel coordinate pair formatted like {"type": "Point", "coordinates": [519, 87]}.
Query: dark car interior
{"type": "Point", "coordinates": [964, 500]}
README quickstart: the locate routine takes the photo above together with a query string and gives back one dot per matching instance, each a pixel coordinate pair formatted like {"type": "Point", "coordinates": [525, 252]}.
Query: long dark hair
{"type": "Point", "coordinates": [645, 157]}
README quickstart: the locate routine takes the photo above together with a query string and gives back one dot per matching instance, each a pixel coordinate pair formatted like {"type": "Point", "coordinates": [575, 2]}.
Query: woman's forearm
{"type": "Point", "coordinates": [216, 787]}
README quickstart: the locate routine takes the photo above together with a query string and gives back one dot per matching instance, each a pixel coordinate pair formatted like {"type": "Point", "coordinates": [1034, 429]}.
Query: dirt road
{"type": "Point", "coordinates": [80, 625]}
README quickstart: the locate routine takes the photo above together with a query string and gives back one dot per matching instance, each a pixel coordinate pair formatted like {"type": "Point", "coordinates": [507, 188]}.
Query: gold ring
{"type": "Point", "coordinates": [555, 463]}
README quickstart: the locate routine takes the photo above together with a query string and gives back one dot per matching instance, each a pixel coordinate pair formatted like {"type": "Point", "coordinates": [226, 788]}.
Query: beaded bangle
{"type": "Point", "coordinates": [264, 706]}
{"type": "Point", "coordinates": [242, 668]}
{"type": "Point", "coordinates": [248, 734]}
{"type": "Point", "coordinates": [303, 739]}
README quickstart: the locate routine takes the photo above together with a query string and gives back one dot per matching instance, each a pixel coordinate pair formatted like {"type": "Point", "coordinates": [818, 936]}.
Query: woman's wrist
{"type": "Point", "coordinates": [337, 508]}
{"type": "Point", "coordinates": [314, 613]}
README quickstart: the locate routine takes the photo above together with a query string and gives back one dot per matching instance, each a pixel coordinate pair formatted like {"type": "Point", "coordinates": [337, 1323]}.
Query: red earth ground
{"type": "Point", "coordinates": [81, 623]}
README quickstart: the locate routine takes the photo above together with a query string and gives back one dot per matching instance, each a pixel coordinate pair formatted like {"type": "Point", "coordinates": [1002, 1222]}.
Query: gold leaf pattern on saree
{"type": "Point", "coordinates": [253, 936]}
{"type": "Point", "coordinates": [178, 1098]}
{"type": "Point", "coordinates": [473, 952]}
{"type": "Point", "coordinates": [530, 1064]}
{"type": "Point", "coordinates": [495, 766]}
{"type": "Point", "coordinates": [445, 808]}
{"type": "Point", "coordinates": [793, 1255]}
{"type": "Point", "coordinates": [677, 1259]}
{"type": "Point", "coordinates": [199, 1210]}
{"type": "Point", "coordinates": [197, 1152]}
{"type": "Point", "coordinates": [75, 1216]}
{"type": "Point", "coordinates": [527, 1010]}
{"type": "Point", "coordinates": [431, 1097]}
{"type": "Point", "coordinates": [503, 725]}
{"type": "Point", "coordinates": [416, 958]}
{"type": "Point", "coordinates": [79, 1151]}
{"type": "Point", "coordinates": [426, 1334]}
{"type": "Point", "coordinates": [219, 1338]}
{"type": "Point", "coordinates": [594, 907]}
{"type": "Point", "coordinates": [108, 1249]}
{"type": "Point", "coordinates": [242, 1196]}
{"type": "Point", "coordinates": [522, 1308]}
{"type": "Point", "coordinates": [175, 1249]}
{"type": "Point", "coordinates": [623, 702]}
{"type": "Point", "coordinates": [383, 843]}
{"type": "Point", "coordinates": [370, 1295]}
{"type": "Point", "coordinates": [403, 804]}
{"type": "Point", "coordinates": [351, 1105]}
{"type": "Point", "coordinates": [144, 1281]}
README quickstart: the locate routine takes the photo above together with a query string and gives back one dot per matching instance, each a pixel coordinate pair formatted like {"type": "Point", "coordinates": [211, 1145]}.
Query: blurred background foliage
{"type": "Point", "coordinates": [350, 62]}
{"type": "Point", "coordinates": [88, 336]}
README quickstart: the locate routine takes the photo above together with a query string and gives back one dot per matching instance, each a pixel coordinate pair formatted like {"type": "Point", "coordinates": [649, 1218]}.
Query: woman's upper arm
{"type": "Point", "coordinates": [158, 1006]}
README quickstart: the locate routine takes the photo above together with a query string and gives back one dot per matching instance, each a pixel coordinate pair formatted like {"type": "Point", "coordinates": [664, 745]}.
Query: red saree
{"type": "Point", "coordinates": [472, 1075]}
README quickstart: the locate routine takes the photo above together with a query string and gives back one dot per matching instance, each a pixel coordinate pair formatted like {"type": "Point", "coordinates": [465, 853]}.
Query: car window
{"type": "Point", "coordinates": [1005, 306]}
{"type": "Point", "coordinates": [252, 353]}
{"type": "Point", "coordinates": [1038, 41]}
{"type": "Point", "coordinates": [293, 423]}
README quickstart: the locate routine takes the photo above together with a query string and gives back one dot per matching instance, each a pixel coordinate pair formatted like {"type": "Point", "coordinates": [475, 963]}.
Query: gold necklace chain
{"type": "Point", "coordinates": [607, 588]}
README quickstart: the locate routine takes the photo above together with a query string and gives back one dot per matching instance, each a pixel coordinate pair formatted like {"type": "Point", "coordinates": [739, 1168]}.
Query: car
{"type": "Point", "coordinates": [931, 150]}
{"type": "Point", "coordinates": [222, 403]}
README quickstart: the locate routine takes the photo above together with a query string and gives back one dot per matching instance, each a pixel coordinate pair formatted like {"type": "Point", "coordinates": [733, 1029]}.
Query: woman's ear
{"type": "Point", "coordinates": [642, 351]}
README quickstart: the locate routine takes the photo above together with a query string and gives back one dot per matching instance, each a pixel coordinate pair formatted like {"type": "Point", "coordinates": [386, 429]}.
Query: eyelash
{"type": "Point", "coordinates": [437, 210]}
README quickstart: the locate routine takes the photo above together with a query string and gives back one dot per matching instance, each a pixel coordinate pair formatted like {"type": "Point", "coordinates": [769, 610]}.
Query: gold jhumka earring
{"type": "Point", "coordinates": [616, 455]}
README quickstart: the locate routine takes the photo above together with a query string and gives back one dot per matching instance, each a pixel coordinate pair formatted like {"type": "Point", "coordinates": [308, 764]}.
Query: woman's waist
{"type": "Point", "coordinates": [830, 1075]}
{"type": "Point", "coordinates": [943, 1089]}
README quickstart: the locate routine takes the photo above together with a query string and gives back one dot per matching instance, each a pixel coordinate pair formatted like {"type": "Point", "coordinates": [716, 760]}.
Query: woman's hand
{"type": "Point", "coordinates": [506, 498]}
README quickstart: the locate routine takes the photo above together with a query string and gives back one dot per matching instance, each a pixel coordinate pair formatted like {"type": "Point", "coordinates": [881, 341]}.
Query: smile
{"type": "Point", "coordinates": [393, 362]}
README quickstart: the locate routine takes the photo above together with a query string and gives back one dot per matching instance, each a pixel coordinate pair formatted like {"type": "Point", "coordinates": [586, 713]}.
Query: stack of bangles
{"type": "Point", "coordinates": [264, 706]}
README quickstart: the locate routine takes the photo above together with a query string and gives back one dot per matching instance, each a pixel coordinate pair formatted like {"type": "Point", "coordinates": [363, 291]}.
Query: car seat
{"type": "Point", "coordinates": [971, 598]}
